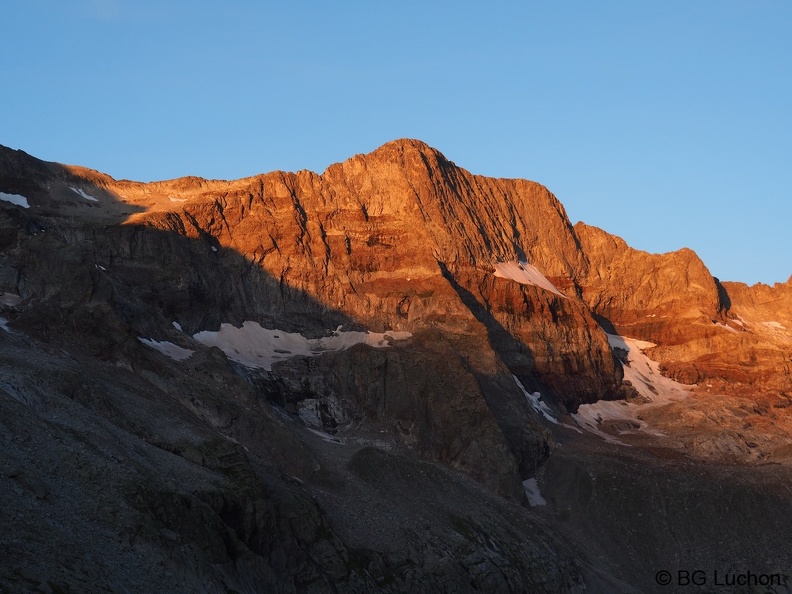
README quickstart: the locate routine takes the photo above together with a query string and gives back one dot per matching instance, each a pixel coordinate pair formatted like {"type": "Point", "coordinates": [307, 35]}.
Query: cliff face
{"type": "Point", "coordinates": [416, 317]}
{"type": "Point", "coordinates": [655, 296]}
{"type": "Point", "coordinates": [730, 342]}
{"type": "Point", "coordinates": [705, 331]}
{"type": "Point", "coordinates": [401, 238]}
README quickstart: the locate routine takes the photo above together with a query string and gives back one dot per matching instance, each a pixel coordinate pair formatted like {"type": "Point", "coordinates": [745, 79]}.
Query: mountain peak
{"type": "Point", "coordinates": [405, 153]}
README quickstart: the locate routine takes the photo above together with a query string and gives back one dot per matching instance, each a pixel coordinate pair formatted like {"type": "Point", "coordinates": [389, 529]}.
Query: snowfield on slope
{"type": "Point", "coordinates": [525, 274]}
{"type": "Point", "coordinates": [173, 351]}
{"type": "Point", "coordinates": [257, 347]}
{"type": "Point", "coordinates": [83, 194]}
{"type": "Point", "coordinates": [536, 402]}
{"type": "Point", "coordinates": [15, 199]}
{"type": "Point", "coordinates": [532, 492]}
{"type": "Point", "coordinates": [644, 375]}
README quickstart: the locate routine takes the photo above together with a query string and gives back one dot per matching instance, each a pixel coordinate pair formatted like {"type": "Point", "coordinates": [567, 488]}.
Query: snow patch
{"type": "Point", "coordinates": [4, 325]}
{"type": "Point", "coordinates": [10, 299]}
{"type": "Point", "coordinates": [627, 344]}
{"type": "Point", "coordinates": [100, 267]}
{"type": "Point", "coordinates": [644, 375]}
{"type": "Point", "coordinates": [326, 436]}
{"type": "Point", "coordinates": [257, 347]}
{"type": "Point", "coordinates": [15, 199]}
{"type": "Point", "coordinates": [536, 402]}
{"type": "Point", "coordinates": [729, 328]}
{"type": "Point", "coordinates": [590, 416]}
{"type": "Point", "coordinates": [173, 351]}
{"type": "Point", "coordinates": [776, 325]}
{"type": "Point", "coordinates": [532, 492]}
{"type": "Point", "coordinates": [177, 325]}
{"type": "Point", "coordinates": [525, 274]}
{"type": "Point", "coordinates": [83, 194]}
{"type": "Point", "coordinates": [174, 199]}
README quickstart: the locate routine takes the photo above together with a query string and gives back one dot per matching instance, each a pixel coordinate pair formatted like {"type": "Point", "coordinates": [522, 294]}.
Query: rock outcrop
{"type": "Point", "coordinates": [659, 297]}
{"type": "Point", "coordinates": [705, 331]}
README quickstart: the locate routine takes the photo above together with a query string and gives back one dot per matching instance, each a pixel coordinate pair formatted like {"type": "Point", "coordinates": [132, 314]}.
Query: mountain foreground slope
{"type": "Point", "coordinates": [393, 376]}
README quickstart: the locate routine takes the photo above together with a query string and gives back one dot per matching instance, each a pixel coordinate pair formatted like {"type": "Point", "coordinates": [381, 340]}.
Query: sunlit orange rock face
{"type": "Point", "coordinates": [732, 341]}
{"type": "Point", "coordinates": [398, 237]}
{"type": "Point", "coordinates": [736, 336]}
{"type": "Point", "coordinates": [402, 238]}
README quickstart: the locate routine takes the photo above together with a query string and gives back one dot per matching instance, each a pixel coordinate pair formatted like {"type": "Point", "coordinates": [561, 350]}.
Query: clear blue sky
{"type": "Point", "coordinates": [668, 123]}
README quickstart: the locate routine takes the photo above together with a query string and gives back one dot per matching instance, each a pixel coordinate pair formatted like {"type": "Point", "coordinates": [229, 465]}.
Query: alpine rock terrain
{"type": "Point", "coordinates": [394, 376]}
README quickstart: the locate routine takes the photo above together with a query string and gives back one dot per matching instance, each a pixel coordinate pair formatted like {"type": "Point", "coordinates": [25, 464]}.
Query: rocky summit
{"type": "Point", "coordinates": [393, 376]}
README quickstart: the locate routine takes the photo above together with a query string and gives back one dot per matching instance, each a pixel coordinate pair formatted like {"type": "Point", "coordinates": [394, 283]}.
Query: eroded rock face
{"type": "Point", "coordinates": [659, 297]}
{"type": "Point", "coordinates": [765, 313]}
{"type": "Point", "coordinates": [402, 238]}
{"type": "Point", "coordinates": [724, 336]}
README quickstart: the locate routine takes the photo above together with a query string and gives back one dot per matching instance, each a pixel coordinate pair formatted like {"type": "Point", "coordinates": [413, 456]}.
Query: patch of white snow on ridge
{"type": "Point", "coordinates": [4, 325]}
{"type": "Point", "coordinates": [532, 492]}
{"type": "Point", "coordinates": [15, 199]}
{"type": "Point", "coordinates": [173, 351]}
{"type": "Point", "coordinates": [257, 347]}
{"type": "Point", "coordinates": [83, 194]}
{"type": "Point", "coordinates": [644, 375]}
{"type": "Point", "coordinates": [729, 328]}
{"type": "Point", "coordinates": [174, 199]}
{"type": "Point", "coordinates": [536, 402]}
{"type": "Point", "coordinates": [525, 274]}
{"type": "Point", "coordinates": [776, 325]}
{"type": "Point", "coordinates": [177, 325]}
